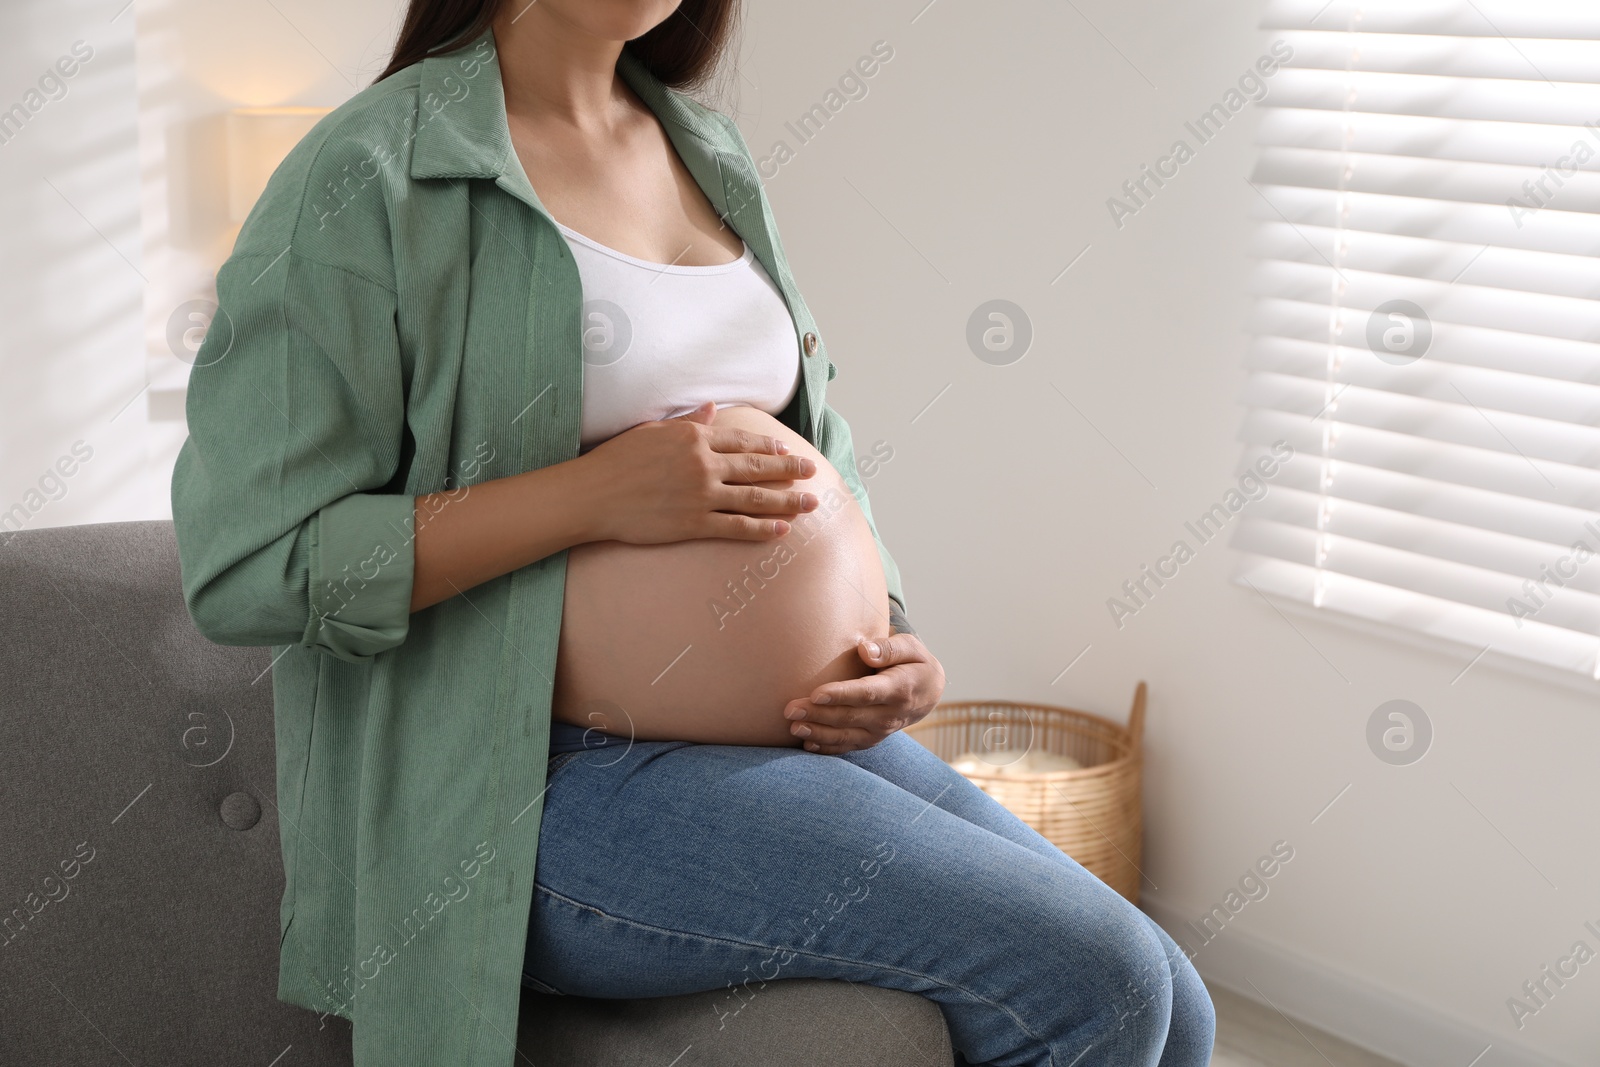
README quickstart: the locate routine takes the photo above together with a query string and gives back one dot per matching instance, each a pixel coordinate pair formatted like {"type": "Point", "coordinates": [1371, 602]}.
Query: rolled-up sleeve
{"type": "Point", "coordinates": [289, 530]}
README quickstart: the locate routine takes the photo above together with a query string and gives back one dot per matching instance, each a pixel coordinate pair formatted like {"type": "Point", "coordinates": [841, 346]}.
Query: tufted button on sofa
{"type": "Point", "coordinates": [140, 875]}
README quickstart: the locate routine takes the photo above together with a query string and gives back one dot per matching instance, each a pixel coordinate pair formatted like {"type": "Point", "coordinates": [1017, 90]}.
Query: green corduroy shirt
{"type": "Point", "coordinates": [400, 316]}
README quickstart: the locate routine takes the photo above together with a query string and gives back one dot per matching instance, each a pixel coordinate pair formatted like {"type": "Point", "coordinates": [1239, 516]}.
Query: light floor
{"type": "Point", "coordinates": [1255, 1035]}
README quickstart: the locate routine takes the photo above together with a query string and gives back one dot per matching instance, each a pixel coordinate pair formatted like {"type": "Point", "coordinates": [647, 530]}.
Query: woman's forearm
{"type": "Point", "coordinates": [667, 480]}
{"type": "Point", "coordinates": [468, 536]}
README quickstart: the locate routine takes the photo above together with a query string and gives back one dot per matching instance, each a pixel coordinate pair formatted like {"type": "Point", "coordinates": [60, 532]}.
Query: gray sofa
{"type": "Point", "coordinates": [140, 873]}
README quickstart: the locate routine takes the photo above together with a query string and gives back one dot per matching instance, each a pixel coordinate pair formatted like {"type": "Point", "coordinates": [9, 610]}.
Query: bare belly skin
{"type": "Point", "coordinates": [708, 640]}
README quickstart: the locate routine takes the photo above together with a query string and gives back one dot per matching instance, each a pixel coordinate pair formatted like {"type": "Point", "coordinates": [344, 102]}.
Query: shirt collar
{"type": "Point", "coordinates": [461, 120]}
{"type": "Point", "coordinates": [462, 133]}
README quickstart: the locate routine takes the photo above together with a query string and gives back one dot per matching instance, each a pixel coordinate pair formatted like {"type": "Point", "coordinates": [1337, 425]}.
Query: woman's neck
{"type": "Point", "coordinates": [557, 70]}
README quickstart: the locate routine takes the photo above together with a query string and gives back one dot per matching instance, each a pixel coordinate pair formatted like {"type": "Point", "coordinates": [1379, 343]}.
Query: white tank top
{"type": "Point", "coordinates": [660, 340]}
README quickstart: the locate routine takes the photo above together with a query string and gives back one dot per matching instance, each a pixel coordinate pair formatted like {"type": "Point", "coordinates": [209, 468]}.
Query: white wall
{"type": "Point", "coordinates": [978, 166]}
{"type": "Point", "coordinates": [72, 436]}
{"type": "Point", "coordinates": [198, 59]}
{"type": "Point", "coordinates": [113, 208]}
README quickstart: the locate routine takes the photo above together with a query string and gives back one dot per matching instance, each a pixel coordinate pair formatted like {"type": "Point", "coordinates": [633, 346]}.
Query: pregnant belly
{"type": "Point", "coordinates": [708, 640]}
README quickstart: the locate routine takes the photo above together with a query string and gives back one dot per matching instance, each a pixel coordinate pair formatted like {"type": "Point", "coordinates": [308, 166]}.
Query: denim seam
{"type": "Point", "coordinates": [809, 955]}
{"type": "Point", "coordinates": [560, 760]}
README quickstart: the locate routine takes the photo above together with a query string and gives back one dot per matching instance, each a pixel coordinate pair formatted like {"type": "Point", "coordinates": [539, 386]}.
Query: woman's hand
{"type": "Point", "coordinates": [683, 478]}
{"type": "Point", "coordinates": [859, 712]}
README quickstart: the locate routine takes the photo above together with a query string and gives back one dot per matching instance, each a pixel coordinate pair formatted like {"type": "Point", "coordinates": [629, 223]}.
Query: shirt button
{"type": "Point", "coordinates": [810, 343]}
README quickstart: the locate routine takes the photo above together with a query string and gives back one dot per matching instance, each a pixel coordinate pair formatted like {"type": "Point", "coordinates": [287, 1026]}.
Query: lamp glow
{"type": "Point", "coordinates": [258, 140]}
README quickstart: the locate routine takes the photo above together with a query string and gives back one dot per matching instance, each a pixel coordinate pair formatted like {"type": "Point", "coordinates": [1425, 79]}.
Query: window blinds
{"type": "Point", "coordinates": [1425, 330]}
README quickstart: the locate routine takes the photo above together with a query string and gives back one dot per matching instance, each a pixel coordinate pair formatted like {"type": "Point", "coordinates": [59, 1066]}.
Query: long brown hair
{"type": "Point", "coordinates": [682, 52]}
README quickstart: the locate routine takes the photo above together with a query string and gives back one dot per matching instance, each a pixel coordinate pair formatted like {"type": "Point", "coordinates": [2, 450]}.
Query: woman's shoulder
{"type": "Point", "coordinates": [711, 123]}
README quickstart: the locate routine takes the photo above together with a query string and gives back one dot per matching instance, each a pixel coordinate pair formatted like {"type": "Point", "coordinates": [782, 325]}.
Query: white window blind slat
{"type": "Point", "coordinates": [1449, 56]}
{"type": "Point", "coordinates": [1522, 94]}
{"type": "Point", "coordinates": [1419, 573]}
{"type": "Point", "coordinates": [1421, 137]}
{"type": "Point", "coordinates": [1548, 19]}
{"type": "Point", "coordinates": [1547, 230]}
{"type": "Point", "coordinates": [1550, 527]}
{"type": "Point", "coordinates": [1475, 557]}
{"type": "Point", "coordinates": [1476, 630]}
{"type": "Point", "coordinates": [1430, 179]}
{"type": "Point", "coordinates": [1516, 269]}
{"type": "Point", "coordinates": [1522, 313]}
{"type": "Point", "coordinates": [1507, 473]}
{"type": "Point", "coordinates": [1305, 324]}
{"type": "Point", "coordinates": [1577, 406]}
{"type": "Point", "coordinates": [1543, 445]}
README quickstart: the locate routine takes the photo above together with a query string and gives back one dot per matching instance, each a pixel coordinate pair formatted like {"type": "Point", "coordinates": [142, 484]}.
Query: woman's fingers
{"type": "Point", "coordinates": [880, 719]}
{"type": "Point", "coordinates": [754, 500]}
{"type": "Point", "coordinates": [750, 513]}
{"type": "Point", "coordinates": [754, 457]}
{"type": "Point", "coordinates": [729, 439]}
{"type": "Point", "coordinates": [743, 527]}
{"type": "Point", "coordinates": [855, 694]}
{"type": "Point", "coordinates": [888, 651]}
{"type": "Point", "coordinates": [832, 740]}
{"type": "Point", "coordinates": [751, 468]}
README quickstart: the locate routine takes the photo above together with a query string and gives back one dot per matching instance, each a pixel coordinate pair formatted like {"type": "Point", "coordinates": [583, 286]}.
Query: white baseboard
{"type": "Point", "coordinates": [1362, 1013]}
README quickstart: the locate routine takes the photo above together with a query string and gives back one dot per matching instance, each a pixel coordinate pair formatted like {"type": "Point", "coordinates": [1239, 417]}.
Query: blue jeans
{"type": "Point", "coordinates": [666, 867]}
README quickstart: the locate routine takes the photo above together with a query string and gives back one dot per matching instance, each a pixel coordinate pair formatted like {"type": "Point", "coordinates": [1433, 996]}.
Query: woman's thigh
{"type": "Point", "coordinates": [671, 868]}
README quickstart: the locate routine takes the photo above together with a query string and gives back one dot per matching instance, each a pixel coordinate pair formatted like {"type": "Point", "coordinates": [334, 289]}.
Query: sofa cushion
{"type": "Point", "coordinates": [141, 876]}
{"type": "Point", "coordinates": [795, 1022]}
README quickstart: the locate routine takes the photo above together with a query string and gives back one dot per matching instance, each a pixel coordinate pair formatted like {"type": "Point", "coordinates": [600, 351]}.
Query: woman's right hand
{"type": "Point", "coordinates": [683, 478]}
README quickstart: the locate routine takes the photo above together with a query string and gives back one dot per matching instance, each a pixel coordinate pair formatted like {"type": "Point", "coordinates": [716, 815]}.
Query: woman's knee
{"type": "Point", "coordinates": [1108, 976]}
{"type": "Point", "coordinates": [1193, 1029]}
{"type": "Point", "coordinates": [1193, 1026]}
{"type": "Point", "coordinates": [1138, 987]}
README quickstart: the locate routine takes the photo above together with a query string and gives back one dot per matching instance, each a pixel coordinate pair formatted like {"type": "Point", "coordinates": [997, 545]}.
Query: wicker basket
{"type": "Point", "coordinates": [1093, 814]}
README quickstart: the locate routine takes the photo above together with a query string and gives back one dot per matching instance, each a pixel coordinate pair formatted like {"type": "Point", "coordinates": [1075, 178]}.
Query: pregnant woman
{"type": "Point", "coordinates": [510, 437]}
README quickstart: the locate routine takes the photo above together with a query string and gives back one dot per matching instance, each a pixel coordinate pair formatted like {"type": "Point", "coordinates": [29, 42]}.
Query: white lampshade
{"type": "Point", "coordinates": [258, 140]}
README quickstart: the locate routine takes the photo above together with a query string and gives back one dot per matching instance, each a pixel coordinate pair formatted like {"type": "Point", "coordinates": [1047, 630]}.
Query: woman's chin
{"type": "Point", "coordinates": [708, 640]}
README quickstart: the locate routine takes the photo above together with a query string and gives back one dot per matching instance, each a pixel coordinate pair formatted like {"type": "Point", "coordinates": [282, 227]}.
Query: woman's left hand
{"type": "Point", "coordinates": [859, 712]}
